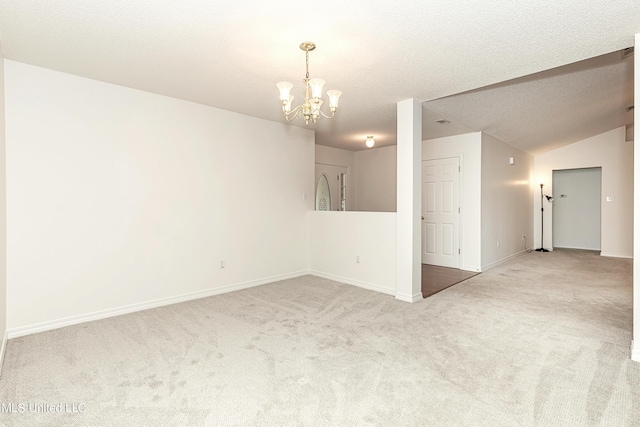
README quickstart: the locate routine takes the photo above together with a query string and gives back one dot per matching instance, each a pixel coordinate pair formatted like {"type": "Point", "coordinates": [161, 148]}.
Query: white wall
{"type": "Point", "coordinates": [468, 147]}
{"type": "Point", "coordinates": [120, 199]}
{"type": "Point", "coordinates": [3, 219]}
{"type": "Point", "coordinates": [376, 178]}
{"type": "Point", "coordinates": [338, 238]}
{"type": "Point", "coordinates": [615, 156]}
{"type": "Point", "coordinates": [334, 156]}
{"type": "Point", "coordinates": [409, 187]}
{"type": "Point", "coordinates": [506, 201]}
{"type": "Point", "coordinates": [635, 343]}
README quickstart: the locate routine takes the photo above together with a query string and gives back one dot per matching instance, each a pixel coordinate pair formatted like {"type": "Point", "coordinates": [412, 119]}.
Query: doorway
{"type": "Point", "coordinates": [436, 279]}
{"type": "Point", "coordinates": [334, 178]}
{"type": "Point", "coordinates": [577, 208]}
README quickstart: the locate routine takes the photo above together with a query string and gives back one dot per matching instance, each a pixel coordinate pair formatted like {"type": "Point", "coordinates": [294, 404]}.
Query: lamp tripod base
{"type": "Point", "coordinates": [542, 250]}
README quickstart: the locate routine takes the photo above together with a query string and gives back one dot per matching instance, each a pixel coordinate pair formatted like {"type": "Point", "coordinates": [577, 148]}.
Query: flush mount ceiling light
{"type": "Point", "coordinates": [370, 142]}
{"type": "Point", "coordinates": [310, 109]}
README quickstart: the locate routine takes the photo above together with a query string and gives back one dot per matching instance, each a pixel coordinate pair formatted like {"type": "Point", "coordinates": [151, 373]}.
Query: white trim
{"type": "Point", "coordinates": [617, 255]}
{"type": "Point", "coordinates": [365, 285]}
{"type": "Point", "coordinates": [471, 268]}
{"type": "Point", "coordinates": [409, 298]}
{"type": "Point", "coordinates": [635, 353]}
{"type": "Point", "coordinates": [3, 349]}
{"type": "Point", "coordinates": [117, 311]}
{"type": "Point", "coordinates": [503, 260]}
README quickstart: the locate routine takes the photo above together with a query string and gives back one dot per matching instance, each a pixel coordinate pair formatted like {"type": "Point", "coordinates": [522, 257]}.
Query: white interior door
{"type": "Point", "coordinates": [441, 212]}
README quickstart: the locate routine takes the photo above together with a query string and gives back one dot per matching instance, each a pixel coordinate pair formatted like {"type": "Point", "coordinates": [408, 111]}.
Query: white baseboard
{"type": "Point", "coordinates": [627, 256]}
{"type": "Point", "coordinates": [503, 260]}
{"type": "Point", "coordinates": [471, 268]}
{"type": "Point", "coordinates": [635, 353]}
{"type": "Point", "coordinates": [3, 350]}
{"type": "Point", "coordinates": [410, 298]}
{"type": "Point", "coordinates": [117, 311]}
{"type": "Point", "coordinates": [365, 285]}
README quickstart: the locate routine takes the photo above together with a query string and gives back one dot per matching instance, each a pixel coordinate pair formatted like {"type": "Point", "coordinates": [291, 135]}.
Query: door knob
{"type": "Point", "coordinates": [423, 217]}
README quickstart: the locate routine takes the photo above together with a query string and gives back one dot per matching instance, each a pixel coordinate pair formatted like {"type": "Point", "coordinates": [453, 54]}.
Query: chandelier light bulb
{"type": "Point", "coordinates": [370, 142]}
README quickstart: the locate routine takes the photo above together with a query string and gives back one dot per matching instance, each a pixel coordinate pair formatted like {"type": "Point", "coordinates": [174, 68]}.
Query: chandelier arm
{"type": "Point", "coordinates": [293, 114]}
{"type": "Point", "coordinates": [295, 110]}
{"type": "Point", "coordinates": [333, 113]}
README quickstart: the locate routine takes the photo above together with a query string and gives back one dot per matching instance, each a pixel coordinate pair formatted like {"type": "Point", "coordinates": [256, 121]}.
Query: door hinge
{"type": "Point", "coordinates": [458, 210]}
{"type": "Point", "coordinates": [458, 251]}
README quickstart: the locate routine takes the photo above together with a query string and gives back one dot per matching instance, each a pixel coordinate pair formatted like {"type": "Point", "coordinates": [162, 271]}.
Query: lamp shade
{"type": "Point", "coordinates": [316, 87]}
{"type": "Point", "coordinates": [334, 96]}
{"type": "Point", "coordinates": [285, 89]}
{"type": "Point", "coordinates": [287, 106]}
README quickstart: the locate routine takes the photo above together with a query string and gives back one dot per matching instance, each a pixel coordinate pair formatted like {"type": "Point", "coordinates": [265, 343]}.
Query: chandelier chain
{"type": "Point", "coordinates": [307, 64]}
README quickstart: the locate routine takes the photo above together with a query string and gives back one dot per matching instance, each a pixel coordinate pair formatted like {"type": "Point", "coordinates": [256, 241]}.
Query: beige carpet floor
{"type": "Point", "coordinates": [540, 341]}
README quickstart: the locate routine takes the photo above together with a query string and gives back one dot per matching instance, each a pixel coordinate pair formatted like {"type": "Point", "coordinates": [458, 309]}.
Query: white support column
{"type": "Point", "coordinates": [409, 148]}
{"type": "Point", "coordinates": [635, 343]}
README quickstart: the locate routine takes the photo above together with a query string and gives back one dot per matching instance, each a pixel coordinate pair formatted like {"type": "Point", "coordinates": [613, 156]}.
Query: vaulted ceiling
{"type": "Point", "coordinates": [500, 67]}
{"type": "Point", "coordinates": [545, 110]}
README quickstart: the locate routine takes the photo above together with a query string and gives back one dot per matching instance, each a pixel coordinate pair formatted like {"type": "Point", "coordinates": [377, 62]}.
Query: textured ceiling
{"type": "Point", "coordinates": [230, 55]}
{"type": "Point", "coordinates": [542, 111]}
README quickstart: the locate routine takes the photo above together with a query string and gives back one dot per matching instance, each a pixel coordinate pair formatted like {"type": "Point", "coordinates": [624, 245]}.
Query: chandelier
{"type": "Point", "coordinates": [310, 110]}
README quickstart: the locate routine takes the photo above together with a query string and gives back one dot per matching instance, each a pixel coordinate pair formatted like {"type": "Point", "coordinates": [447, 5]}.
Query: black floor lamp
{"type": "Point", "coordinates": [549, 199]}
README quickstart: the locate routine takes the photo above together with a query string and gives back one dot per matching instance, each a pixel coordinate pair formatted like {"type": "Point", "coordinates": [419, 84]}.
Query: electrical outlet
{"type": "Point", "coordinates": [497, 244]}
{"type": "Point", "coordinates": [357, 259]}
{"type": "Point", "coordinates": [223, 264]}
